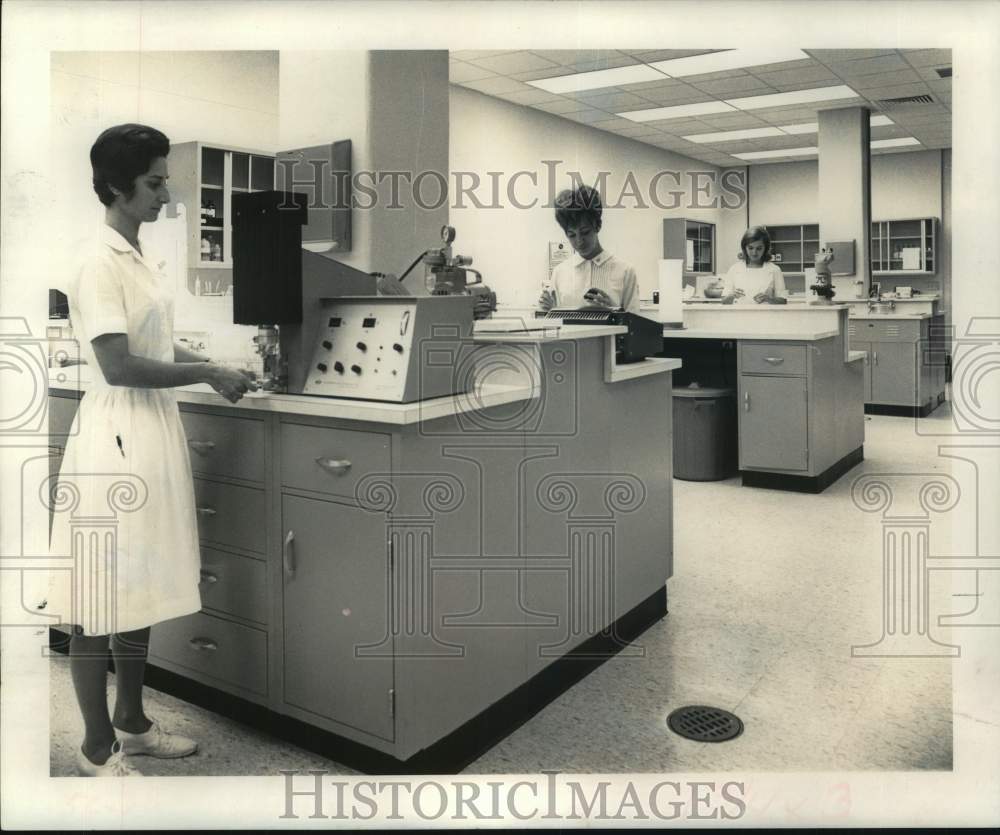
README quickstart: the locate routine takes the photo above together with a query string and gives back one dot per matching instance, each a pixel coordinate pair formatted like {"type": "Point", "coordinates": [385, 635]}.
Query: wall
{"type": "Point", "coordinates": [509, 244]}
{"type": "Point", "coordinates": [904, 185]}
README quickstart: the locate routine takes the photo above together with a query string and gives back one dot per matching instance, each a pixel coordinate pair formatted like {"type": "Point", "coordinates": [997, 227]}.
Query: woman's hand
{"type": "Point", "coordinates": [546, 301]}
{"type": "Point", "coordinates": [736, 294]}
{"type": "Point", "coordinates": [230, 383]}
{"type": "Point", "coordinates": [598, 298]}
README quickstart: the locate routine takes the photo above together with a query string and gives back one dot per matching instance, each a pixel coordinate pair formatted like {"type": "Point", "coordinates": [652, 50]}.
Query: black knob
{"type": "Point", "coordinates": [356, 369]}
{"type": "Point", "coordinates": [397, 347]}
{"type": "Point", "coordinates": [338, 367]}
{"type": "Point", "coordinates": [327, 344]}
{"type": "Point", "coordinates": [321, 366]}
{"type": "Point", "coordinates": [362, 346]}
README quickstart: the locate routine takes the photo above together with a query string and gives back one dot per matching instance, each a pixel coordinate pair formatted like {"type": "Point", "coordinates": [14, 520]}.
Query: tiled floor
{"type": "Point", "coordinates": [770, 591]}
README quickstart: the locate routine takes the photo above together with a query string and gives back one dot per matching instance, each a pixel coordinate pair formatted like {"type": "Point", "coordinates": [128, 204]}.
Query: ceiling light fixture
{"type": "Point", "coordinates": [777, 152]}
{"type": "Point", "coordinates": [814, 94]}
{"type": "Point", "coordinates": [729, 59]}
{"type": "Point", "coordinates": [596, 79]}
{"type": "Point", "coordinates": [895, 143]}
{"type": "Point", "coordinates": [654, 114]}
{"type": "Point", "coordinates": [731, 135]}
{"type": "Point", "coordinates": [813, 127]}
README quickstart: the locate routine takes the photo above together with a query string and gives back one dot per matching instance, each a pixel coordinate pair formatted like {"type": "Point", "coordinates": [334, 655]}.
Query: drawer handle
{"type": "Point", "coordinates": [202, 446]}
{"type": "Point", "coordinates": [774, 360]}
{"type": "Point", "coordinates": [203, 644]}
{"type": "Point", "coordinates": [205, 511]}
{"type": "Point", "coordinates": [288, 553]}
{"type": "Point", "coordinates": [875, 357]}
{"type": "Point", "coordinates": [209, 577]}
{"type": "Point", "coordinates": [334, 466]}
{"type": "Point", "coordinates": [746, 401]}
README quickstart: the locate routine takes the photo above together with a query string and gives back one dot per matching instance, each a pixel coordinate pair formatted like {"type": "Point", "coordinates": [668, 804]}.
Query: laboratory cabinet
{"type": "Point", "coordinates": [691, 240]}
{"type": "Point", "coordinates": [794, 247]}
{"type": "Point", "coordinates": [905, 362]}
{"type": "Point", "coordinates": [904, 247]}
{"type": "Point", "coordinates": [204, 178]}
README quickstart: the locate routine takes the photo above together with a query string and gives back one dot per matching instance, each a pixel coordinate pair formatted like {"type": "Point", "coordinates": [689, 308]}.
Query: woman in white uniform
{"type": "Point", "coordinates": [127, 457]}
{"type": "Point", "coordinates": [755, 278]}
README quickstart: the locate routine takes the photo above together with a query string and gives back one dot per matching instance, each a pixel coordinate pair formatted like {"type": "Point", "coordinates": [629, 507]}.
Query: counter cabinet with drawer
{"type": "Point", "coordinates": [904, 365]}
{"type": "Point", "coordinates": [792, 396]}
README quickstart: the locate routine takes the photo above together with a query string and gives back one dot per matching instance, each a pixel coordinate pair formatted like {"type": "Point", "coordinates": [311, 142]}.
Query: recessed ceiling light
{"type": "Point", "coordinates": [597, 79]}
{"type": "Point", "coordinates": [654, 114]}
{"type": "Point", "coordinates": [777, 152]}
{"type": "Point", "coordinates": [814, 94]}
{"type": "Point", "coordinates": [813, 127]}
{"type": "Point", "coordinates": [895, 143]}
{"type": "Point", "coordinates": [730, 135]}
{"type": "Point", "coordinates": [729, 59]}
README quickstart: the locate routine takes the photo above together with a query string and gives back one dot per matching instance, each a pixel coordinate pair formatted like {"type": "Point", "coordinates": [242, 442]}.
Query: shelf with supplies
{"type": "Point", "coordinates": [206, 176]}
{"type": "Point", "coordinates": [693, 241]}
{"type": "Point", "coordinates": [904, 247]}
{"type": "Point", "coordinates": [793, 247]}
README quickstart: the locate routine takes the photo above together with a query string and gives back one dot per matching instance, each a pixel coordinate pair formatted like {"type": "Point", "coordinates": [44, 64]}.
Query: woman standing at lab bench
{"type": "Point", "coordinates": [755, 278]}
{"type": "Point", "coordinates": [127, 434]}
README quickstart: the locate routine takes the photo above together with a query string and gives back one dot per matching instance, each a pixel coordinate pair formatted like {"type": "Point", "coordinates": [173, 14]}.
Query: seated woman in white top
{"type": "Point", "coordinates": [592, 277]}
{"type": "Point", "coordinates": [755, 278]}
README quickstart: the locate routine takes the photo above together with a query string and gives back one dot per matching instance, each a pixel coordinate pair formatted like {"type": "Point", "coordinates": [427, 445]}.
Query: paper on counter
{"type": "Point", "coordinates": [911, 258]}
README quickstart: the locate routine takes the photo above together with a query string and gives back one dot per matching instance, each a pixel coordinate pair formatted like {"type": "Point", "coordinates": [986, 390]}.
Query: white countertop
{"type": "Point", "coordinates": [397, 414]}
{"type": "Point", "coordinates": [904, 316]}
{"type": "Point", "coordinates": [558, 332]}
{"type": "Point", "coordinates": [769, 336]}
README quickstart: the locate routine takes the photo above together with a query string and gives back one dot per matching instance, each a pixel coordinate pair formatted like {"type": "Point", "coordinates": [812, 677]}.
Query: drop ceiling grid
{"type": "Point", "coordinates": [874, 74]}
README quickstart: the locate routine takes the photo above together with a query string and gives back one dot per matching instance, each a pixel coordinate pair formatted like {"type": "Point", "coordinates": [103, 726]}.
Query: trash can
{"type": "Point", "coordinates": [705, 433]}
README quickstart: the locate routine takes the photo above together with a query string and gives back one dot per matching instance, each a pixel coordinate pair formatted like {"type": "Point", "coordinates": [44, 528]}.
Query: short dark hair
{"type": "Point", "coordinates": [121, 154]}
{"type": "Point", "coordinates": [577, 205]}
{"type": "Point", "coordinates": [756, 233]}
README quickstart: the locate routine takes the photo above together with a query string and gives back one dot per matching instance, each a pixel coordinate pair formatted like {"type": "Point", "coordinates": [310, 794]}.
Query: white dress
{"type": "Point", "coordinates": [124, 514]}
{"type": "Point", "coordinates": [754, 280]}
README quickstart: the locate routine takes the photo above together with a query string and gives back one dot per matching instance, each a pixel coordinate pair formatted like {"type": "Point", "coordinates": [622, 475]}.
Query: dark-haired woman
{"type": "Point", "coordinates": [755, 278]}
{"type": "Point", "coordinates": [126, 461]}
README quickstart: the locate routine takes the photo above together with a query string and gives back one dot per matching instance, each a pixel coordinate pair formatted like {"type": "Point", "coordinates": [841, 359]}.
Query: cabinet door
{"type": "Point", "coordinates": [858, 345]}
{"type": "Point", "coordinates": [335, 580]}
{"type": "Point", "coordinates": [774, 423]}
{"type": "Point", "coordinates": [894, 373]}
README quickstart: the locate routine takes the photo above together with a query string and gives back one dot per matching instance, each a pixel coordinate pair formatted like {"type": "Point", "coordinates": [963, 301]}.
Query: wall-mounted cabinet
{"type": "Point", "coordinates": [690, 240]}
{"type": "Point", "coordinates": [793, 248]}
{"type": "Point", "coordinates": [904, 247]}
{"type": "Point", "coordinates": [204, 178]}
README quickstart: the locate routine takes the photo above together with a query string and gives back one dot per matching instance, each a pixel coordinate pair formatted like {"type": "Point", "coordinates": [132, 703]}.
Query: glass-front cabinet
{"type": "Point", "coordinates": [690, 240]}
{"type": "Point", "coordinates": [794, 248]}
{"type": "Point", "coordinates": [905, 247]}
{"type": "Point", "coordinates": [204, 178]}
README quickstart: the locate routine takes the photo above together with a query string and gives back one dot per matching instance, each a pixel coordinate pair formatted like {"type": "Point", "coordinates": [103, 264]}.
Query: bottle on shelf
{"type": "Point", "coordinates": [216, 251]}
{"type": "Point", "coordinates": [197, 285]}
{"type": "Point", "coordinates": [206, 249]}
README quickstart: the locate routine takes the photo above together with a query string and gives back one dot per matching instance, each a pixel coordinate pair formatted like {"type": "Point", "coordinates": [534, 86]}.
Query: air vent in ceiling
{"type": "Point", "coordinates": [903, 101]}
{"type": "Point", "coordinates": [943, 72]}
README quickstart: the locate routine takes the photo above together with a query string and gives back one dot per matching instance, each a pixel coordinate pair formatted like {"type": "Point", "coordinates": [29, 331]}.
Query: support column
{"type": "Point", "coordinates": [845, 190]}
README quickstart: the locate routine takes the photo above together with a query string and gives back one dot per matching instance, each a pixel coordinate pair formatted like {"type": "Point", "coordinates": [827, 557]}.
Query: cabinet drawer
{"type": "Point", "coordinates": [234, 585]}
{"type": "Point", "coordinates": [230, 515]}
{"type": "Point", "coordinates": [226, 446]}
{"type": "Point", "coordinates": [885, 330]}
{"type": "Point", "coordinates": [773, 358]}
{"type": "Point", "coordinates": [330, 460]}
{"type": "Point", "coordinates": [215, 648]}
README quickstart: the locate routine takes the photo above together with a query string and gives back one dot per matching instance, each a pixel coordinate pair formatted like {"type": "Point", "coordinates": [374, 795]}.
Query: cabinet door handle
{"type": "Point", "coordinates": [288, 554]}
{"type": "Point", "coordinates": [203, 644]}
{"type": "Point", "coordinates": [875, 357]}
{"type": "Point", "coordinates": [746, 401]}
{"type": "Point", "coordinates": [205, 511]}
{"type": "Point", "coordinates": [208, 577]}
{"type": "Point", "coordinates": [334, 466]}
{"type": "Point", "coordinates": [202, 447]}
{"type": "Point", "coordinates": [774, 360]}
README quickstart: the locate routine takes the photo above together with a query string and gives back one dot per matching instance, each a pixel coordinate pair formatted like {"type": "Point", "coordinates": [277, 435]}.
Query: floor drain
{"type": "Point", "coordinates": [705, 724]}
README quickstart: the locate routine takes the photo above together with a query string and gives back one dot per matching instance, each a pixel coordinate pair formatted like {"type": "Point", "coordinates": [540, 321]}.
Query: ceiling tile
{"type": "Point", "coordinates": [459, 72]}
{"type": "Point", "coordinates": [868, 66]}
{"type": "Point", "coordinates": [512, 62]}
{"type": "Point", "coordinates": [681, 127]}
{"type": "Point", "coordinates": [919, 115]}
{"type": "Point", "coordinates": [940, 85]}
{"type": "Point", "coordinates": [472, 54]}
{"type": "Point", "coordinates": [814, 72]}
{"type": "Point", "coordinates": [529, 97]}
{"type": "Point", "coordinates": [549, 72]}
{"type": "Point", "coordinates": [614, 101]}
{"type": "Point", "coordinates": [629, 129]}
{"type": "Point", "coordinates": [496, 85]}
{"type": "Point", "coordinates": [782, 66]}
{"type": "Point", "coordinates": [577, 57]}
{"type": "Point", "coordinates": [732, 121]}
{"type": "Point", "coordinates": [889, 79]}
{"type": "Point", "coordinates": [587, 116]}
{"type": "Point", "coordinates": [928, 57]}
{"type": "Point", "coordinates": [718, 75]}
{"type": "Point", "coordinates": [681, 94]}
{"type": "Point", "coordinates": [895, 91]}
{"type": "Point", "coordinates": [834, 55]}
{"type": "Point", "coordinates": [744, 84]}
{"type": "Point", "coordinates": [561, 106]}
{"type": "Point", "coordinates": [650, 55]}
{"type": "Point", "coordinates": [930, 74]}
{"type": "Point", "coordinates": [786, 115]}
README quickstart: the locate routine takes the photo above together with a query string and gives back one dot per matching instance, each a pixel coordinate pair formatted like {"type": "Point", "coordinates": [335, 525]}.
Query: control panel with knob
{"type": "Point", "coordinates": [398, 349]}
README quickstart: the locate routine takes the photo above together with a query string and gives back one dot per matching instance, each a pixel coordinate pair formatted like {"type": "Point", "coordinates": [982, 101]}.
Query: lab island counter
{"type": "Point", "coordinates": [397, 587]}
{"type": "Point", "coordinates": [799, 387]}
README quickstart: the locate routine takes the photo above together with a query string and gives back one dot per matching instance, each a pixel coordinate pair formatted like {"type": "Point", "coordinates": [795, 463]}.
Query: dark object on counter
{"type": "Point", "coordinates": [705, 433]}
{"type": "Point", "coordinates": [644, 337]}
{"type": "Point", "coordinates": [58, 305]}
{"type": "Point", "coordinates": [656, 297]}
